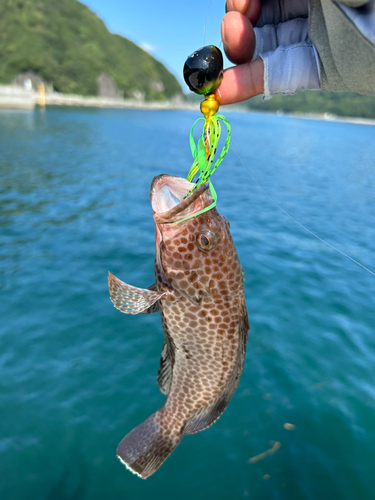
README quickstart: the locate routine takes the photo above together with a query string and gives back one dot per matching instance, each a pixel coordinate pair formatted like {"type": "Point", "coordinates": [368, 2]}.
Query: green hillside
{"type": "Point", "coordinates": [336, 103]}
{"type": "Point", "coordinates": [67, 44]}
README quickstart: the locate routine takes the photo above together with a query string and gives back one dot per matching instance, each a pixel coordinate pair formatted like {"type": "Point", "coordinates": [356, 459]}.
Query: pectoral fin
{"type": "Point", "coordinates": [131, 300]}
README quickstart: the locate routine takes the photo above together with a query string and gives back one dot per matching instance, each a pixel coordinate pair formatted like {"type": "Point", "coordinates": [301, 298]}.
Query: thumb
{"type": "Point", "coordinates": [241, 82]}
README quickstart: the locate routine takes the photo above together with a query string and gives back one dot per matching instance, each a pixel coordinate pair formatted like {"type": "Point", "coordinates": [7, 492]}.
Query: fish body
{"type": "Point", "coordinates": [200, 295]}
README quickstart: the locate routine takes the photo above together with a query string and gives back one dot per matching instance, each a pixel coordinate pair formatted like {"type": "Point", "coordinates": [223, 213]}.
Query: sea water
{"type": "Point", "coordinates": [77, 375]}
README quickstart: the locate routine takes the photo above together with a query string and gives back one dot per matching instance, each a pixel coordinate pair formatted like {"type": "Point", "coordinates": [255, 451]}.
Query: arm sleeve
{"type": "Point", "coordinates": [291, 68]}
{"type": "Point", "coordinates": [290, 59]}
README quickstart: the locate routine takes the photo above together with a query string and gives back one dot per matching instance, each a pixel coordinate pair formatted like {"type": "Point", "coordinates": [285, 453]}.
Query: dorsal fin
{"type": "Point", "coordinates": [206, 416]}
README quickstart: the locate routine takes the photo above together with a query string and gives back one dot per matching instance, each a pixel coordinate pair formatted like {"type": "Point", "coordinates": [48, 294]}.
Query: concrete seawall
{"type": "Point", "coordinates": [16, 98]}
{"type": "Point", "coordinates": [12, 97]}
{"type": "Point", "coordinates": [56, 99]}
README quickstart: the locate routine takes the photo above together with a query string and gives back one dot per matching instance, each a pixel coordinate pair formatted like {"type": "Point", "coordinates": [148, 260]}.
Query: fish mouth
{"type": "Point", "coordinates": [169, 200]}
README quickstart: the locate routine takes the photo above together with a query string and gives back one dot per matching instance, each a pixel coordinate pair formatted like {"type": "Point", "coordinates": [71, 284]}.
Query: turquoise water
{"type": "Point", "coordinates": [77, 375]}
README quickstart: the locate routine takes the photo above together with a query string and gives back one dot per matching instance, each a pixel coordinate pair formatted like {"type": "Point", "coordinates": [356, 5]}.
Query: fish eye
{"type": "Point", "coordinates": [206, 240]}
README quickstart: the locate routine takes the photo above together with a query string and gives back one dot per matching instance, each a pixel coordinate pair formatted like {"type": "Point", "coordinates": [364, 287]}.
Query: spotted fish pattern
{"type": "Point", "coordinates": [200, 295]}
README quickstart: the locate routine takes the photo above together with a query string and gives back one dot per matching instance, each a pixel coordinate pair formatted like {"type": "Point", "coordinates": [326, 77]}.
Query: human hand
{"type": "Point", "coordinates": [269, 43]}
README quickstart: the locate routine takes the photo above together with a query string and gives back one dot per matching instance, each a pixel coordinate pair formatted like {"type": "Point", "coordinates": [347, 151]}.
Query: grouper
{"type": "Point", "coordinates": [199, 292]}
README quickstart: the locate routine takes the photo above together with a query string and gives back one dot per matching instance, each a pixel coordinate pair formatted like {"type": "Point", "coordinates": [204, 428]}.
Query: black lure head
{"type": "Point", "coordinates": [203, 69]}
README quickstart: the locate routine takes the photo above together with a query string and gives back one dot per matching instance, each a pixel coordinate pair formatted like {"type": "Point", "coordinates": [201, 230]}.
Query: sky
{"type": "Point", "coordinates": [170, 30]}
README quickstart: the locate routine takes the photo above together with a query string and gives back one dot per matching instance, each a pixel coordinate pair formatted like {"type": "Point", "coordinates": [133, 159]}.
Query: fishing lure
{"type": "Point", "coordinates": [203, 73]}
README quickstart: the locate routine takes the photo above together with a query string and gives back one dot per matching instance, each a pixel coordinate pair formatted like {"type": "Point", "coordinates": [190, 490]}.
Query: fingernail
{"type": "Point", "coordinates": [222, 31]}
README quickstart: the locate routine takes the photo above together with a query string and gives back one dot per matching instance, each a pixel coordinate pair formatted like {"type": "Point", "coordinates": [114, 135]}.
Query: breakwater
{"type": "Point", "coordinates": [12, 97]}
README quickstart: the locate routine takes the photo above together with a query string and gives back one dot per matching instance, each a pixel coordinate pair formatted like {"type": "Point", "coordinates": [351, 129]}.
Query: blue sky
{"type": "Point", "coordinates": [169, 30]}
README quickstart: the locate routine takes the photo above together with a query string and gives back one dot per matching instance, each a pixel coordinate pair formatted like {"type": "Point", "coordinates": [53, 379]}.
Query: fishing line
{"type": "Point", "coordinates": [205, 22]}
{"type": "Point", "coordinates": [296, 221]}
{"type": "Point", "coordinates": [204, 27]}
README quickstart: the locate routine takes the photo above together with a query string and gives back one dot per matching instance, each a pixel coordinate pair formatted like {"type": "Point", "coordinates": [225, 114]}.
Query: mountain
{"type": "Point", "coordinates": [67, 44]}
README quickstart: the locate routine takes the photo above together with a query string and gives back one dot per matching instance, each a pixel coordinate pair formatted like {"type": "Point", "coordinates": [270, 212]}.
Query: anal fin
{"type": "Point", "coordinates": [131, 300]}
{"type": "Point", "coordinates": [207, 415]}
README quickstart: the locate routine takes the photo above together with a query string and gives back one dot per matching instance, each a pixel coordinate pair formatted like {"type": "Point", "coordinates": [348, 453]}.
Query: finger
{"type": "Point", "coordinates": [241, 83]}
{"type": "Point", "coordinates": [248, 8]}
{"type": "Point", "coordinates": [238, 37]}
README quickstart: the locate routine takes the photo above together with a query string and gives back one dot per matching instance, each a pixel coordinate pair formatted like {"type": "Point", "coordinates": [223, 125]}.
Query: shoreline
{"type": "Point", "coordinates": [327, 117]}
{"type": "Point", "coordinates": [56, 99]}
{"type": "Point", "coordinates": [18, 98]}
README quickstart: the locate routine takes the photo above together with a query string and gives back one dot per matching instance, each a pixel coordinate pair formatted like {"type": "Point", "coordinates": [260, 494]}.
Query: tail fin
{"type": "Point", "coordinates": [147, 446]}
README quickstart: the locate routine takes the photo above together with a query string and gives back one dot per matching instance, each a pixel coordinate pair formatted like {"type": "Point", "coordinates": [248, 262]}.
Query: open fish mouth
{"type": "Point", "coordinates": [169, 200]}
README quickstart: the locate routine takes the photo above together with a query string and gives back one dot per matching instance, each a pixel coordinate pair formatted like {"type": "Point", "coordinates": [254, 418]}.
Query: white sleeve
{"type": "Point", "coordinates": [291, 61]}
{"type": "Point", "coordinates": [288, 69]}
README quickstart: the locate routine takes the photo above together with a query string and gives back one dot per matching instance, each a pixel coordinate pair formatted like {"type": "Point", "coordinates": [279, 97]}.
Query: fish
{"type": "Point", "coordinates": [199, 291]}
